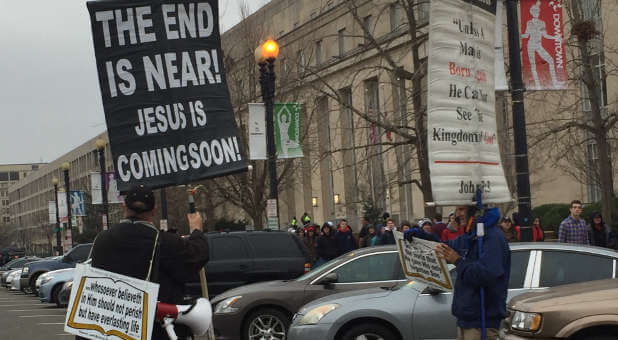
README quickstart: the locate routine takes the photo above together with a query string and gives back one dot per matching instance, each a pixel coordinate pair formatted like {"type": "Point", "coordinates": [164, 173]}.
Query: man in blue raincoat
{"type": "Point", "coordinates": [490, 271]}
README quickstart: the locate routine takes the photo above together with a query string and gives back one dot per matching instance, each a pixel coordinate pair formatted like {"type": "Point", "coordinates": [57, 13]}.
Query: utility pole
{"type": "Point", "coordinates": [524, 204]}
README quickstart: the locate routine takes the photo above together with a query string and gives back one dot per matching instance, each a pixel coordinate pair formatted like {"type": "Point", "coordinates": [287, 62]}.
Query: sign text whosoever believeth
{"type": "Point", "coordinates": [164, 90]}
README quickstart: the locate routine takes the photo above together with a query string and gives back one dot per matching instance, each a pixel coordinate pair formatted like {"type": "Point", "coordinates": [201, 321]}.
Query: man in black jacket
{"type": "Point", "coordinates": [127, 249]}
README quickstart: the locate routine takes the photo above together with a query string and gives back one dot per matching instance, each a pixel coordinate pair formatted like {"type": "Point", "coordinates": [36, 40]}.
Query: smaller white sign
{"type": "Point", "coordinates": [421, 263]}
{"type": "Point", "coordinates": [257, 131]}
{"type": "Point", "coordinates": [271, 214]}
{"type": "Point", "coordinates": [51, 208]}
{"type": "Point", "coordinates": [106, 305]}
{"type": "Point", "coordinates": [113, 195]}
{"type": "Point", "coordinates": [163, 225]}
{"type": "Point", "coordinates": [62, 205]}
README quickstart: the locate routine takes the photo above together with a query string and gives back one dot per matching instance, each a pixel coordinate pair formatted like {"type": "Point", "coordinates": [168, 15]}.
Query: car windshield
{"type": "Point", "coordinates": [326, 266]}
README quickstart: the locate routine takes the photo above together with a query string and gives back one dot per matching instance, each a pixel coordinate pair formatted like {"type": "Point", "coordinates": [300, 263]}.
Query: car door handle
{"type": "Point", "coordinates": [244, 266]}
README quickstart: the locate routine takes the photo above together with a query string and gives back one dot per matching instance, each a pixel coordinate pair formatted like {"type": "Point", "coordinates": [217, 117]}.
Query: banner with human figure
{"type": "Point", "coordinates": [113, 195]}
{"type": "Point", "coordinates": [287, 130]}
{"type": "Point", "coordinates": [461, 126]}
{"type": "Point", "coordinates": [165, 96]}
{"type": "Point", "coordinates": [543, 52]}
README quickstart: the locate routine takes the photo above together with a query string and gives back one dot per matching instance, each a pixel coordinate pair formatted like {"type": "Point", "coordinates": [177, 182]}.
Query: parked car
{"type": "Point", "coordinates": [412, 312]}
{"type": "Point", "coordinates": [49, 285]}
{"type": "Point", "coordinates": [13, 276]}
{"type": "Point", "coordinates": [240, 258]}
{"type": "Point", "coordinates": [15, 264]}
{"type": "Point", "coordinates": [582, 311]}
{"type": "Point", "coordinates": [8, 254]}
{"type": "Point", "coordinates": [65, 293]}
{"type": "Point", "coordinates": [242, 313]}
{"type": "Point", "coordinates": [32, 270]}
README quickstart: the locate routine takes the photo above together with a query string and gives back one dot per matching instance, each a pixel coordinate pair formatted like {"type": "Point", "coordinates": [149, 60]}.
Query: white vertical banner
{"type": "Point", "coordinates": [499, 72]}
{"type": "Point", "coordinates": [51, 208]}
{"type": "Point", "coordinates": [461, 126]}
{"type": "Point", "coordinates": [257, 131]}
{"type": "Point", "coordinates": [62, 206]}
{"type": "Point", "coordinates": [113, 195]}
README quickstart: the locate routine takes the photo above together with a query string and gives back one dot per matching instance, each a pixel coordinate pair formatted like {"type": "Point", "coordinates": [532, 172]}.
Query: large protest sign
{"type": "Point", "coordinates": [165, 96]}
{"type": "Point", "coordinates": [105, 305]}
{"type": "Point", "coordinates": [543, 53]}
{"type": "Point", "coordinates": [461, 126]}
{"type": "Point", "coordinates": [421, 263]}
{"type": "Point", "coordinates": [287, 130]}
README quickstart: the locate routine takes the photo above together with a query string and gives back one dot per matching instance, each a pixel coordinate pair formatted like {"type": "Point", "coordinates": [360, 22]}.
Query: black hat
{"type": "Point", "coordinates": [140, 199]}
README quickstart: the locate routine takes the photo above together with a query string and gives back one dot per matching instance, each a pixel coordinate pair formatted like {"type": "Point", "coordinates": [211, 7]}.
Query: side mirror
{"type": "Point", "coordinates": [329, 279]}
{"type": "Point", "coordinates": [67, 258]}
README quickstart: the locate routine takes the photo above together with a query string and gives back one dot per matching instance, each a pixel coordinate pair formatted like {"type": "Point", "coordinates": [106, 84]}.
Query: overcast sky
{"type": "Point", "coordinates": [49, 92]}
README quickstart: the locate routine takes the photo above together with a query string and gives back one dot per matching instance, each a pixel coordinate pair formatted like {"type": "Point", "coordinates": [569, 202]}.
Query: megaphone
{"type": "Point", "coordinates": [197, 316]}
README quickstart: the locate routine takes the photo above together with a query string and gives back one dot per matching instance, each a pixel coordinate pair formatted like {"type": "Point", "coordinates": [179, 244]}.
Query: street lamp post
{"type": "Point", "coordinates": [100, 144]}
{"type": "Point", "coordinates": [265, 56]}
{"type": "Point", "coordinates": [58, 236]}
{"type": "Point", "coordinates": [65, 169]}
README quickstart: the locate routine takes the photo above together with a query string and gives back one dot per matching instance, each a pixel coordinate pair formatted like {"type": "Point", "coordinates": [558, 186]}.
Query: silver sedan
{"type": "Point", "coordinates": [412, 312]}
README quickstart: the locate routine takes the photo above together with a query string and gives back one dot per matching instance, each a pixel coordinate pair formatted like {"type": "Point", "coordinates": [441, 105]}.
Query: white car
{"type": "Point", "coordinates": [14, 279]}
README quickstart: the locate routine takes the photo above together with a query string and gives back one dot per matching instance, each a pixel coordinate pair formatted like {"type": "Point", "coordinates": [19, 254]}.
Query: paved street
{"type": "Point", "coordinates": [24, 317]}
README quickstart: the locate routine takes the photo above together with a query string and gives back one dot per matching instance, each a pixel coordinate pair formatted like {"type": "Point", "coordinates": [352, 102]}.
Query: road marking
{"type": "Point", "coordinates": [50, 323]}
{"type": "Point", "coordinates": [41, 316]}
{"type": "Point", "coordinates": [31, 310]}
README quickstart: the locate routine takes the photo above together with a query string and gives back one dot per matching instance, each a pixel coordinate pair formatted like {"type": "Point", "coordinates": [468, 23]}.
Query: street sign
{"type": "Point", "coordinates": [163, 225]}
{"type": "Point", "coordinates": [271, 214]}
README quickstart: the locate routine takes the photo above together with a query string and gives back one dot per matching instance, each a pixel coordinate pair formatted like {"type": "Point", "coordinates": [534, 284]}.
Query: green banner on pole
{"type": "Point", "coordinates": [287, 130]}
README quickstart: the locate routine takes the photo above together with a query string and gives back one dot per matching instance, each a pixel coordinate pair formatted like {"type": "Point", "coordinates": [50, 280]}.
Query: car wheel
{"type": "Point", "coordinates": [33, 289]}
{"type": "Point", "coordinates": [266, 323]}
{"type": "Point", "coordinates": [57, 298]}
{"type": "Point", "coordinates": [369, 331]}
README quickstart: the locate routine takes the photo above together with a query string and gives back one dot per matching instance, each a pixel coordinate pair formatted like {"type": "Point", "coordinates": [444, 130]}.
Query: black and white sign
{"type": "Point", "coordinates": [165, 96]}
{"type": "Point", "coordinates": [461, 126]}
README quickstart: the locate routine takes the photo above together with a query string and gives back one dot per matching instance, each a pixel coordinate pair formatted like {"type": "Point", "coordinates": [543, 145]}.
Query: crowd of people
{"type": "Point", "coordinates": [328, 241]}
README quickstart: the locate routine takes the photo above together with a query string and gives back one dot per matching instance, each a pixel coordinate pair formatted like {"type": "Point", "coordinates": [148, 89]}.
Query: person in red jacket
{"type": "Point", "coordinates": [537, 231]}
{"type": "Point", "coordinates": [453, 229]}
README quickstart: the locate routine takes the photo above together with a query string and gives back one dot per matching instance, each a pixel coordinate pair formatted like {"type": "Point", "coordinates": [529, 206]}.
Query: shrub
{"type": "Point", "coordinates": [230, 225]}
{"type": "Point", "coordinates": [551, 215]}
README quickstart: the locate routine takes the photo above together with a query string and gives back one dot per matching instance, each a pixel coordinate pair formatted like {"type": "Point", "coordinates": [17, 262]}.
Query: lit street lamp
{"type": "Point", "coordinates": [58, 236]}
{"type": "Point", "coordinates": [265, 56]}
{"type": "Point", "coordinates": [100, 144]}
{"type": "Point", "coordinates": [65, 169]}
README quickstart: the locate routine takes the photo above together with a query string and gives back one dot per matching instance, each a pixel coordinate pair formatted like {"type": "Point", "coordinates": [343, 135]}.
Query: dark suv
{"type": "Point", "coordinates": [32, 270]}
{"type": "Point", "coordinates": [240, 258]}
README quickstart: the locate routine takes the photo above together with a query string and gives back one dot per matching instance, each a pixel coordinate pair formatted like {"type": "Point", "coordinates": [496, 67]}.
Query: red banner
{"type": "Point", "coordinates": [543, 54]}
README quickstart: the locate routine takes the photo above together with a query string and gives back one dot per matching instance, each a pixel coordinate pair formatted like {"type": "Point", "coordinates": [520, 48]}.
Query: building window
{"type": "Point", "coordinates": [594, 190]}
{"type": "Point", "coordinates": [368, 28]}
{"type": "Point", "coordinates": [14, 176]}
{"type": "Point", "coordinates": [341, 35]}
{"type": "Point", "coordinates": [422, 13]}
{"type": "Point", "coordinates": [300, 57]}
{"type": "Point", "coordinates": [6, 219]}
{"type": "Point", "coordinates": [318, 52]}
{"type": "Point", "coordinates": [396, 13]}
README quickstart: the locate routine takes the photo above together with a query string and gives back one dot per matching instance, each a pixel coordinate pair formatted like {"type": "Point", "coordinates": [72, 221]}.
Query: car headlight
{"type": "Point", "coordinates": [315, 315]}
{"type": "Point", "coordinates": [25, 270]}
{"type": "Point", "coordinates": [227, 306]}
{"type": "Point", "coordinates": [528, 322]}
{"type": "Point", "coordinates": [46, 279]}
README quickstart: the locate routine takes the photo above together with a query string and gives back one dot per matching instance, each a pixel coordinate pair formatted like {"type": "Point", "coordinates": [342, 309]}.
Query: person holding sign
{"type": "Point", "coordinates": [127, 248]}
{"type": "Point", "coordinates": [491, 272]}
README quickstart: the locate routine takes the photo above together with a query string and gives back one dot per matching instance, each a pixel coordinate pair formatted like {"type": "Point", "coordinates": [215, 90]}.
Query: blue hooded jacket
{"type": "Point", "coordinates": [490, 271]}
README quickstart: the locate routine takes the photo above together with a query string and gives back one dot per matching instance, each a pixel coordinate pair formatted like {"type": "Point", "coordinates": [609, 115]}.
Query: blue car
{"type": "Point", "coordinates": [49, 285]}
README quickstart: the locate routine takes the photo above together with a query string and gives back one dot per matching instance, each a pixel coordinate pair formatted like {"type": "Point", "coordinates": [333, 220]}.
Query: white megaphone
{"type": "Point", "coordinates": [197, 316]}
